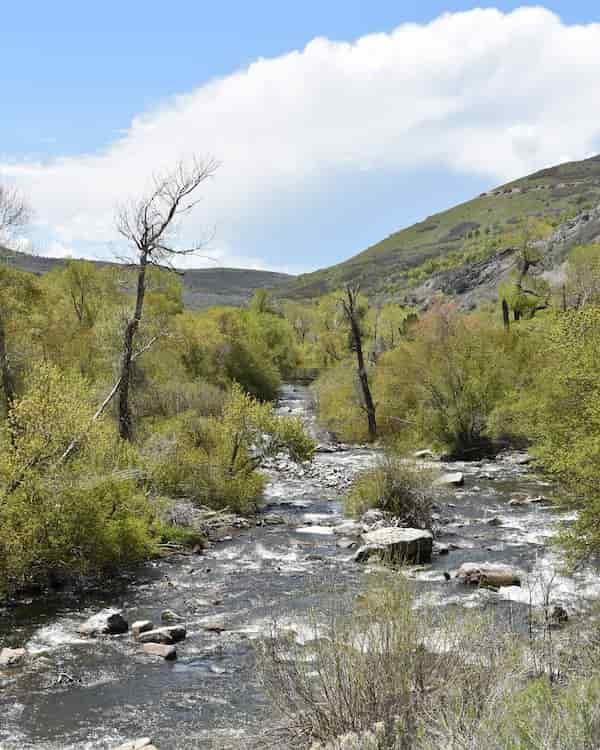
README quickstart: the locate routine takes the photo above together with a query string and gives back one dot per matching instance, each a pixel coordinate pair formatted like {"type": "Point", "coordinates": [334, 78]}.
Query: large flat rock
{"type": "Point", "coordinates": [396, 545]}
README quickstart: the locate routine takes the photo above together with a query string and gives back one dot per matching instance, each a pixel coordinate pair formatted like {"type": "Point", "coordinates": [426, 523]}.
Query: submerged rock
{"type": "Point", "coordinates": [396, 545]}
{"type": "Point", "coordinates": [170, 635]}
{"type": "Point", "coordinates": [452, 479]}
{"type": "Point", "coordinates": [488, 575]}
{"type": "Point", "coordinates": [107, 622]}
{"type": "Point", "coordinates": [165, 651]}
{"type": "Point", "coordinates": [10, 657]}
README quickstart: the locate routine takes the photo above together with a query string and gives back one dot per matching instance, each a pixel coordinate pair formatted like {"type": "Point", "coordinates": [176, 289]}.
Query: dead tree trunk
{"type": "Point", "coordinates": [352, 316]}
{"type": "Point", "coordinates": [506, 315]}
{"type": "Point", "coordinates": [146, 225]}
{"type": "Point", "coordinates": [125, 428]}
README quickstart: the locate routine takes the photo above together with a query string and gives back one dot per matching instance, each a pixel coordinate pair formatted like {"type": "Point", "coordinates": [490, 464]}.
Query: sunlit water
{"type": "Point", "coordinates": [94, 693]}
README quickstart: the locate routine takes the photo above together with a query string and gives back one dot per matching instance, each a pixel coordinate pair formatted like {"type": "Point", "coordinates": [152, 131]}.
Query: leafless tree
{"type": "Point", "coordinates": [149, 225]}
{"type": "Point", "coordinates": [14, 214]}
{"type": "Point", "coordinates": [351, 311]}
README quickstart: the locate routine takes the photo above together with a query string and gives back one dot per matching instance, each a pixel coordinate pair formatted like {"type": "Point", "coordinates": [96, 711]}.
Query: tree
{"type": "Point", "coordinates": [148, 225]}
{"type": "Point", "coordinates": [14, 213]}
{"type": "Point", "coordinates": [353, 316]}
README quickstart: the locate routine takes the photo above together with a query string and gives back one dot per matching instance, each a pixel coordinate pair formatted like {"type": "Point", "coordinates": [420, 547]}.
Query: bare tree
{"type": "Point", "coordinates": [14, 214]}
{"type": "Point", "coordinates": [149, 225]}
{"type": "Point", "coordinates": [351, 311]}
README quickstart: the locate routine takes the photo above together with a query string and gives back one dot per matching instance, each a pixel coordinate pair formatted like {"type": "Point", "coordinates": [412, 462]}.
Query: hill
{"type": "Point", "coordinates": [201, 287]}
{"type": "Point", "coordinates": [465, 250]}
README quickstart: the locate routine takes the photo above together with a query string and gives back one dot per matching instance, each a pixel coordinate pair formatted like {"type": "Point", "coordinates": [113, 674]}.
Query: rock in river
{"type": "Point", "coordinates": [169, 653]}
{"type": "Point", "coordinates": [489, 575]}
{"type": "Point", "coordinates": [10, 657]}
{"type": "Point", "coordinates": [107, 622]}
{"type": "Point", "coordinates": [141, 626]}
{"type": "Point", "coordinates": [452, 479]}
{"type": "Point", "coordinates": [396, 545]}
{"type": "Point", "coordinates": [170, 635]}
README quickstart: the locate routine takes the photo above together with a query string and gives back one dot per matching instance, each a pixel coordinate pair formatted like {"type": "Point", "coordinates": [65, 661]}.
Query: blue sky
{"type": "Point", "coordinates": [77, 75]}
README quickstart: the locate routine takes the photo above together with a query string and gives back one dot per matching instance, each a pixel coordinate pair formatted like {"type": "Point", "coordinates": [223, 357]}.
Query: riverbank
{"type": "Point", "coordinates": [299, 562]}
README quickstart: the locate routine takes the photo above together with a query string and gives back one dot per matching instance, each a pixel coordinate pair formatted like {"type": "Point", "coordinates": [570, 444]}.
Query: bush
{"type": "Point", "coordinates": [395, 487]}
{"type": "Point", "coordinates": [390, 677]}
{"type": "Point", "coordinates": [215, 461]}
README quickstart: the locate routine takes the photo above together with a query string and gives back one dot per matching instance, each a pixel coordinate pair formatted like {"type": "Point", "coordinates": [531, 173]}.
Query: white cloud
{"type": "Point", "coordinates": [481, 93]}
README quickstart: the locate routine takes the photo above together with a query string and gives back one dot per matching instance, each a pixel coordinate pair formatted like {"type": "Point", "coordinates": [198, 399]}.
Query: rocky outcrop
{"type": "Point", "coordinates": [396, 546]}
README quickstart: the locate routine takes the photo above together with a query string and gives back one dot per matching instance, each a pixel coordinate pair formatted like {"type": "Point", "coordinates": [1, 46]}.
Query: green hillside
{"type": "Point", "coordinates": [202, 287]}
{"type": "Point", "coordinates": [462, 235]}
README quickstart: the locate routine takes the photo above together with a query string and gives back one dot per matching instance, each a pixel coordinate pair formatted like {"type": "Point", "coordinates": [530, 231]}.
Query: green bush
{"type": "Point", "coordinates": [394, 487]}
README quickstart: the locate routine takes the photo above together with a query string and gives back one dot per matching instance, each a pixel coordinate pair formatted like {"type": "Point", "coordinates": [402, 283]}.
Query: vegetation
{"type": "Point", "coordinates": [394, 487]}
{"type": "Point", "coordinates": [108, 416]}
{"type": "Point", "coordinates": [389, 677]}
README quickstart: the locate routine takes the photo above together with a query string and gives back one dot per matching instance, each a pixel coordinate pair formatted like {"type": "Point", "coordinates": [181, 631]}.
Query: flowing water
{"type": "Point", "coordinates": [76, 692]}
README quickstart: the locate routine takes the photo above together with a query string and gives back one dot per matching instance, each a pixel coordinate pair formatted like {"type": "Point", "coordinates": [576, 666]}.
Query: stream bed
{"type": "Point", "coordinates": [75, 692]}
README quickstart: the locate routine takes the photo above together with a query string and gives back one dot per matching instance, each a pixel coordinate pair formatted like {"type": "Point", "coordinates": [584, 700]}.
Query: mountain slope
{"type": "Point", "coordinates": [462, 236]}
{"type": "Point", "coordinates": [201, 287]}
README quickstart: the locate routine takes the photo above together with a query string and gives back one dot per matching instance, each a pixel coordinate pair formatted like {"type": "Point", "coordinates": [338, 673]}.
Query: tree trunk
{"type": "Point", "coordinates": [505, 315]}
{"type": "Point", "coordinates": [8, 383]}
{"type": "Point", "coordinates": [360, 359]}
{"type": "Point", "coordinates": [125, 426]}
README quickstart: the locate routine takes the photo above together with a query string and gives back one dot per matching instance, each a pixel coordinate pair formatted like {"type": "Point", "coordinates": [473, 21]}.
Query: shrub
{"type": "Point", "coordinates": [395, 487]}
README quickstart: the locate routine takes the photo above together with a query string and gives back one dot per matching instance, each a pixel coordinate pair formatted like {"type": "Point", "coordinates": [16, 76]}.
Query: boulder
{"type": "Point", "coordinates": [272, 519]}
{"type": "Point", "coordinates": [107, 622]}
{"type": "Point", "coordinates": [523, 498]}
{"type": "Point", "coordinates": [488, 575]}
{"type": "Point", "coordinates": [10, 657]}
{"type": "Point", "coordinates": [140, 626]}
{"type": "Point", "coordinates": [169, 635]}
{"type": "Point", "coordinates": [169, 653]}
{"type": "Point", "coordinates": [167, 615]}
{"type": "Point", "coordinates": [452, 479]}
{"type": "Point", "coordinates": [396, 545]}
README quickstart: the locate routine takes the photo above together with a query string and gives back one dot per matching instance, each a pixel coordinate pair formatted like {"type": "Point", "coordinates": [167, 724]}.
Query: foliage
{"type": "Point", "coordinates": [214, 460]}
{"type": "Point", "coordinates": [395, 487]}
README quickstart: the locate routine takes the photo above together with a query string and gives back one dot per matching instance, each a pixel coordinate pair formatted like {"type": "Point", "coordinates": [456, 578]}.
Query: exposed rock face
{"type": "Point", "coordinates": [10, 657]}
{"type": "Point", "coordinates": [169, 653]}
{"type": "Point", "coordinates": [170, 635]}
{"type": "Point", "coordinates": [396, 546]}
{"type": "Point", "coordinates": [107, 622]}
{"type": "Point", "coordinates": [452, 479]}
{"type": "Point", "coordinates": [488, 575]}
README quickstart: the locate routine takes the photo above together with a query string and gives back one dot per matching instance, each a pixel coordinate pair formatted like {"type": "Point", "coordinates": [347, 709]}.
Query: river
{"type": "Point", "coordinates": [75, 692]}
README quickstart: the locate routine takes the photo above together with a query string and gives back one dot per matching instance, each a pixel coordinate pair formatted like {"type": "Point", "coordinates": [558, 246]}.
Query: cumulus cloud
{"type": "Point", "coordinates": [479, 93]}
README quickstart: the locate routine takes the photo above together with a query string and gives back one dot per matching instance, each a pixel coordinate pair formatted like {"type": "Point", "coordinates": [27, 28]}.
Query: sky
{"type": "Point", "coordinates": [335, 123]}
